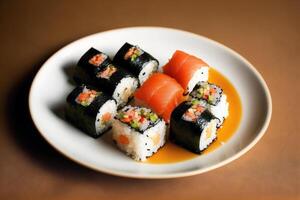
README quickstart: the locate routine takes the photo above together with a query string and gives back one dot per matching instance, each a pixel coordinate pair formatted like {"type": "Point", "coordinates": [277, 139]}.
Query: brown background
{"type": "Point", "coordinates": [266, 33]}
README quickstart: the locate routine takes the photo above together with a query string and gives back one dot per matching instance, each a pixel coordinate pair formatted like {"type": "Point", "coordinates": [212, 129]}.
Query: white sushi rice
{"type": "Point", "coordinates": [148, 69]}
{"type": "Point", "coordinates": [141, 145]}
{"type": "Point", "coordinates": [221, 110]}
{"type": "Point", "coordinates": [200, 75]}
{"type": "Point", "coordinates": [125, 90]}
{"type": "Point", "coordinates": [208, 135]}
{"type": "Point", "coordinates": [108, 107]}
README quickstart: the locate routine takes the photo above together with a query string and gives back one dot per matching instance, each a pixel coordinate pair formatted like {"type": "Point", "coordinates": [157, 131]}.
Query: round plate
{"type": "Point", "coordinates": [52, 84]}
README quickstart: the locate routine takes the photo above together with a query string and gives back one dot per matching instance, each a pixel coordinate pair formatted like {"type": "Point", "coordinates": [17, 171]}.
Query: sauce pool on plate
{"type": "Point", "coordinates": [171, 153]}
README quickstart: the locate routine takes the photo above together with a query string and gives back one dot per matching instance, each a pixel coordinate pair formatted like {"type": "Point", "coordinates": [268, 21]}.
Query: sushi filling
{"type": "Point", "coordinates": [105, 116]}
{"type": "Point", "coordinates": [86, 97]}
{"type": "Point", "coordinates": [208, 135]}
{"type": "Point", "coordinates": [208, 92]}
{"type": "Point", "coordinates": [194, 112]}
{"type": "Point", "coordinates": [125, 90]}
{"type": "Point", "coordinates": [138, 132]}
{"type": "Point", "coordinates": [98, 59]}
{"type": "Point", "coordinates": [147, 69]}
{"type": "Point", "coordinates": [200, 75]}
{"type": "Point", "coordinates": [133, 53]}
{"type": "Point", "coordinates": [212, 97]}
{"type": "Point", "coordinates": [137, 118]}
{"type": "Point", "coordinates": [107, 72]}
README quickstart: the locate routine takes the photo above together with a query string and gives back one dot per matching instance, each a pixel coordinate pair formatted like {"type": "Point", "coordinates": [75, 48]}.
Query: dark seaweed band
{"type": "Point", "coordinates": [136, 66]}
{"type": "Point", "coordinates": [87, 66]}
{"type": "Point", "coordinates": [84, 117]}
{"type": "Point", "coordinates": [109, 85]}
{"type": "Point", "coordinates": [186, 133]}
{"type": "Point", "coordinates": [91, 71]}
{"type": "Point", "coordinates": [142, 131]}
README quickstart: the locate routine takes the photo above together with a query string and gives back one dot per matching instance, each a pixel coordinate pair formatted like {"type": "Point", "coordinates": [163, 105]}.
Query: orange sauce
{"type": "Point", "coordinates": [171, 153]}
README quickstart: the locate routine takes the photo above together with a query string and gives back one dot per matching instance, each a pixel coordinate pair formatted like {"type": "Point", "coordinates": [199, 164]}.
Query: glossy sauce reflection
{"type": "Point", "coordinates": [173, 153]}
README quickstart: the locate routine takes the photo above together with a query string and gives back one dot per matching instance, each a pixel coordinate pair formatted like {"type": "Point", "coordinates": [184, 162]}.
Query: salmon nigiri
{"type": "Point", "coordinates": [161, 93]}
{"type": "Point", "coordinates": [188, 70]}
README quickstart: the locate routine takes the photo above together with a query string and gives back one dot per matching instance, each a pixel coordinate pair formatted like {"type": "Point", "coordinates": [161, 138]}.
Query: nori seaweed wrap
{"type": "Point", "coordinates": [90, 110]}
{"type": "Point", "coordinates": [93, 60]}
{"type": "Point", "coordinates": [108, 76]}
{"type": "Point", "coordinates": [138, 62]}
{"type": "Point", "coordinates": [192, 126]}
{"type": "Point", "coordinates": [214, 98]}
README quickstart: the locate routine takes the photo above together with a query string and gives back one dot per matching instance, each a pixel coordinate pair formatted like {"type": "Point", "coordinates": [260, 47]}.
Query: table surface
{"type": "Point", "coordinates": [267, 33]}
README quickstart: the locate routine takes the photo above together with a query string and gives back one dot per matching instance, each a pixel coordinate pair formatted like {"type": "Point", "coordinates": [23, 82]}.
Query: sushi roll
{"type": "Point", "coordinates": [90, 110]}
{"type": "Point", "coordinates": [161, 93]}
{"type": "Point", "coordinates": [188, 70]}
{"type": "Point", "coordinates": [138, 62]}
{"type": "Point", "coordinates": [92, 60]}
{"type": "Point", "coordinates": [212, 97]}
{"type": "Point", "coordinates": [138, 132]}
{"type": "Point", "coordinates": [104, 74]}
{"type": "Point", "coordinates": [193, 126]}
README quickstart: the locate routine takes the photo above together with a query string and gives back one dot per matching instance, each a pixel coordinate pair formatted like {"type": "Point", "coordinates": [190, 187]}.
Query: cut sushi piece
{"type": "Point", "coordinates": [212, 97]}
{"type": "Point", "coordinates": [138, 62]}
{"type": "Point", "coordinates": [193, 126]}
{"type": "Point", "coordinates": [188, 70]}
{"type": "Point", "coordinates": [90, 110]}
{"type": "Point", "coordinates": [92, 60]}
{"type": "Point", "coordinates": [104, 74]}
{"type": "Point", "coordinates": [161, 93]}
{"type": "Point", "coordinates": [138, 132]}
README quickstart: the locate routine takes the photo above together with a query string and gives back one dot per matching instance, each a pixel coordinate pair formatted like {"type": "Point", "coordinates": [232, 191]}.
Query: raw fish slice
{"type": "Point", "coordinates": [172, 105]}
{"type": "Point", "coordinates": [157, 93]}
{"type": "Point", "coordinates": [173, 66]}
{"type": "Point", "coordinates": [187, 70]}
{"type": "Point", "coordinates": [163, 97]}
{"type": "Point", "coordinates": [153, 83]}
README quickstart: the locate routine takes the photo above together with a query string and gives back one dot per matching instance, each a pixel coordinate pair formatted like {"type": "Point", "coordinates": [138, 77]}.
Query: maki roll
{"type": "Point", "coordinates": [188, 70]}
{"type": "Point", "coordinates": [138, 62]}
{"type": "Point", "coordinates": [104, 74]}
{"type": "Point", "coordinates": [213, 98]}
{"type": "Point", "coordinates": [193, 126]}
{"type": "Point", "coordinates": [90, 110]}
{"type": "Point", "coordinates": [92, 60]}
{"type": "Point", "coordinates": [138, 132]}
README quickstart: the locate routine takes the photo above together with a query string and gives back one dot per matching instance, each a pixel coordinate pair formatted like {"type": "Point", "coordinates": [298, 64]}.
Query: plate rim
{"type": "Point", "coordinates": [260, 134]}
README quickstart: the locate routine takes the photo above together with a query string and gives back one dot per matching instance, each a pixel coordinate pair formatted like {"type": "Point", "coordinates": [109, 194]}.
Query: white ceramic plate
{"type": "Point", "coordinates": [51, 86]}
